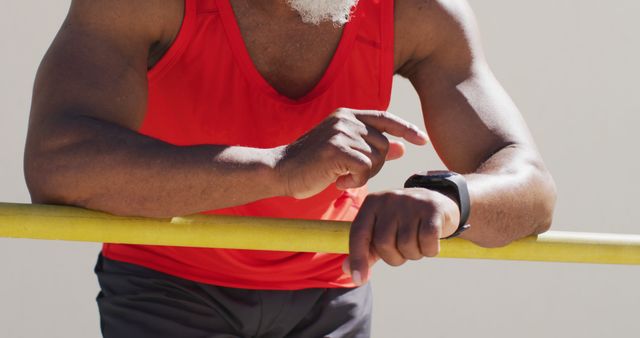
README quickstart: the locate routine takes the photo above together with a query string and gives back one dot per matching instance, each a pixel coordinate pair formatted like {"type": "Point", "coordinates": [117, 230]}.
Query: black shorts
{"type": "Point", "coordinates": [136, 302]}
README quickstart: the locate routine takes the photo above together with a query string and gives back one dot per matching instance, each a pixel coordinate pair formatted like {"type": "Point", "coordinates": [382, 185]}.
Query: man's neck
{"type": "Point", "coordinates": [314, 12]}
{"type": "Point", "coordinates": [276, 9]}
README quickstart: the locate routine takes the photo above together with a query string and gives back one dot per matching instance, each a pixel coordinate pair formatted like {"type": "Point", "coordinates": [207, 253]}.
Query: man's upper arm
{"type": "Point", "coordinates": [467, 113]}
{"type": "Point", "coordinates": [96, 66]}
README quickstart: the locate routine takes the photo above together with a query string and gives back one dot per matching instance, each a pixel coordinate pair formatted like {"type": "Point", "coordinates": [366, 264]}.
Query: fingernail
{"type": "Point", "coordinates": [356, 277]}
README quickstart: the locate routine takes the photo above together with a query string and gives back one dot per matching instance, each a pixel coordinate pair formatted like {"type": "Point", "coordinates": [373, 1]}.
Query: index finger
{"type": "Point", "coordinates": [392, 125]}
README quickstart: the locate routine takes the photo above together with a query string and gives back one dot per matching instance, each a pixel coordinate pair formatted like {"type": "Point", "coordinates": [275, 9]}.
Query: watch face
{"type": "Point", "coordinates": [439, 179]}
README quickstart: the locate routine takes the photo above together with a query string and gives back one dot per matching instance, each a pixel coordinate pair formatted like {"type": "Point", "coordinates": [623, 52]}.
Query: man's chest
{"type": "Point", "coordinates": [290, 55]}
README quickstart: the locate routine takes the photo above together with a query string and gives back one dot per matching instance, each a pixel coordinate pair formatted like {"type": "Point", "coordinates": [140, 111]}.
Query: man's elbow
{"type": "Point", "coordinates": [533, 220]}
{"type": "Point", "coordinates": [49, 183]}
{"type": "Point", "coordinates": [545, 201]}
{"type": "Point", "coordinates": [542, 207]}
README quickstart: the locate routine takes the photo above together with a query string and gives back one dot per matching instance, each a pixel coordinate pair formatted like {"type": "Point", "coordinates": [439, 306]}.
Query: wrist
{"type": "Point", "coordinates": [277, 173]}
{"type": "Point", "coordinates": [454, 187]}
{"type": "Point", "coordinates": [452, 215]}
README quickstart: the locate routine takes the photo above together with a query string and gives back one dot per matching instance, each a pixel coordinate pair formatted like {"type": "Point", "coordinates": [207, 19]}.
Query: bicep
{"type": "Point", "coordinates": [469, 121]}
{"type": "Point", "coordinates": [95, 67]}
{"type": "Point", "coordinates": [467, 113]}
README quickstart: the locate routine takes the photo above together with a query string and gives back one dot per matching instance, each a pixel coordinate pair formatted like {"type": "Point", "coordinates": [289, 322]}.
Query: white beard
{"type": "Point", "coordinates": [317, 11]}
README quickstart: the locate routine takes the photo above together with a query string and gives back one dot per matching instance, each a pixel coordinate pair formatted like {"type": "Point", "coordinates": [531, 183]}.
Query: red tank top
{"type": "Point", "coordinates": [206, 90]}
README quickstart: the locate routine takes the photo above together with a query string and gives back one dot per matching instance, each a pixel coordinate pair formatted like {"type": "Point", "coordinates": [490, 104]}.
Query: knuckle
{"type": "Point", "coordinates": [340, 126]}
{"type": "Point", "coordinates": [377, 162]}
{"type": "Point", "coordinates": [405, 244]}
{"type": "Point", "coordinates": [381, 196]}
{"type": "Point", "coordinates": [385, 197]}
{"type": "Point", "coordinates": [342, 112]}
{"type": "Point", "coordinates": [381, 199]}
{"type": "Point", "coordinates": [408, 244]}
{"type": "Point", "coordinates": [331, 120]}
{"type": "Point", "coordinates": [384, 244]}
{"type": "Point", "coordinates": [413, 255]}
{"type": "Point", "coordinates": [385, 144]}
{"type": "Point", "coordinates": [406, 238]}
{"type": "Point", "coordinates": [360, 128]}
{"type": "Point", "coordinates": [430, 212]}
{"type": "Point", "coordinates": [370, 203]}
{"type": "Point", "coordinates": [362, 163]}
{"type": "Point", "coordinates": [429, 240]}
{"type": "Point", "coordinates": [335, 138]}
{"type": "Point", "coordinates": [376, 150]}
{"type": "Point", "coordinates": [410, 251]}
{"type": "Point", "coordinates": [395, 261]}
{"type": "Point", "coordinates": [429, 230]}
{"type": "Point", "coordinates": [359, 226]}
{"type": "Point", "coordinates": [431, 251]}
{"type": "Point", "coordinates": [428, 233]}
{"type": "Point", "coordinates": [428, 204]}
{"type": "Point", "coordinates": [395, 196]}
{"type": "Point", "coordinates": [366, 148]}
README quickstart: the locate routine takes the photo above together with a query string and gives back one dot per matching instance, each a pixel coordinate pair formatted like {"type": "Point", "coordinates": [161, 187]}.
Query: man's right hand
{"type": "Point", "coordinates": [348, 148]}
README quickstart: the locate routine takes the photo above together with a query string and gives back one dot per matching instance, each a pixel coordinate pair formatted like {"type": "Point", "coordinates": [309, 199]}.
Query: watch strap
{"type": "Point", "coordinates": [446, 180]}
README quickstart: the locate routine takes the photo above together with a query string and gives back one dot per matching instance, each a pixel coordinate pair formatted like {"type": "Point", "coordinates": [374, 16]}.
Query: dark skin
{"type": "Point", "coordinates": [90, 98]}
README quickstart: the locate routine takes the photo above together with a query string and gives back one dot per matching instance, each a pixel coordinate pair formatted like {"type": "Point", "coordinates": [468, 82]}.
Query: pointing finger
{"type": "Point", "coordinates": [393, 125]}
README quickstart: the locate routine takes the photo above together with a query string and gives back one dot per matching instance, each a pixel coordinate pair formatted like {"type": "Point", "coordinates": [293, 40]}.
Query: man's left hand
{"type": "Point", "coordinates": [399, 225]}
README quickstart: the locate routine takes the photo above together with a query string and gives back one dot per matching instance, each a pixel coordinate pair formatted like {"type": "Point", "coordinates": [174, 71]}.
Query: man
{"type": "Point", "coordinates": [159, 108]}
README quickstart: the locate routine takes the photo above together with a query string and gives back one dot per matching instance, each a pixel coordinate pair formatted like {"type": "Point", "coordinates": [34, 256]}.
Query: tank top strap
{"type": "Point", "coordinates": [180, 44]}
{"type": "Point", "coordinates": [376, 33]}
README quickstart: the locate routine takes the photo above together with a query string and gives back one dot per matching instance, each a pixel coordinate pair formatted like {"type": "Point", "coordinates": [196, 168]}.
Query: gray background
{"type": "Point", "coordinates": [571, 66]}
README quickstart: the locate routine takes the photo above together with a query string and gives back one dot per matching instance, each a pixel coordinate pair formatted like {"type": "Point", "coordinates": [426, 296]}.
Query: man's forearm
{"type": "Point", "coordinates": [98, 165]}
{"type": "Point", "coordinates": [512, 196]}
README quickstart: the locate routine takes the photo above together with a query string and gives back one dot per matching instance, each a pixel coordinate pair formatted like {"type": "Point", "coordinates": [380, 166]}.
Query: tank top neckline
{"type": "Point", "coordinates": [251, 73]}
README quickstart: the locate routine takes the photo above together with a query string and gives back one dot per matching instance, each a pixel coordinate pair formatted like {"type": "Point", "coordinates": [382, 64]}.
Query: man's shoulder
{"type": "Point", "coordinates": [428, 12]}
{"type": "Point", "coordinates": [422, 25]}
{"type": "Point", "coordinates": [153, 22]}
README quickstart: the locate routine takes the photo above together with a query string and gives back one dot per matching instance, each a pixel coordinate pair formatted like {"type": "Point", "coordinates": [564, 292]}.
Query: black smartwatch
{"type": "Point", "coordinates": [446, 181]}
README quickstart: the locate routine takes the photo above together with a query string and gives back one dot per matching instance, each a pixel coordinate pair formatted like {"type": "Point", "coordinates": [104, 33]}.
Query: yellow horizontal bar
{"type": "Point", "coordinates": [75, 224]}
